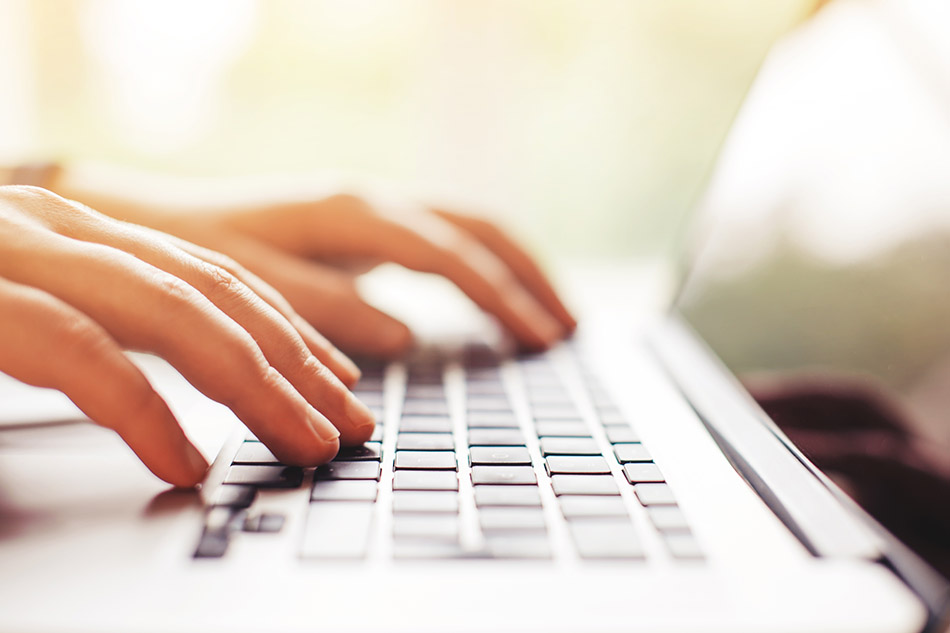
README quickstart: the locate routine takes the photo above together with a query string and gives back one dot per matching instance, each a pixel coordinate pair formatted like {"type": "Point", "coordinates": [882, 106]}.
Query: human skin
{"type": "Point", "coordinates": [80, 286]}
{"type": "Point", "coordinates": [77, 287]}
{"type": "Point", "coordinates": [308, 240]}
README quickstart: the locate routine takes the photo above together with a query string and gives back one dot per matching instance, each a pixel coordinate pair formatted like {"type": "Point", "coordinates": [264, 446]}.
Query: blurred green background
{"type": "Point", "coordinates": [586, 126]}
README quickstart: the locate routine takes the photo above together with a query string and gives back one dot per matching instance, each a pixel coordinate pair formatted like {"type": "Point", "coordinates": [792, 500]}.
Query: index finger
{"type": "Point", "coordinates": [521, 264]}
{"type": "Point", "coordinates": [436, 246]}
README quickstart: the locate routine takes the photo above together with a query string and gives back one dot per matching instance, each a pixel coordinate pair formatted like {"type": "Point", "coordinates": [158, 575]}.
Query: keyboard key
{"type": "Point", "coordinates": [425, 501]}
{"type": "Point", "coordinates": [337, 529]}
{"type": "Point", "coordinates": [212, 544]}
{"type": "Point", "coordinates": [369, 398]}
{"type": "Point", "coordinates": [344, 490]}
{"type": "Point", "coordinates": [426, 460]}
{"type": "Point", "coordinates": [521, 496]}
{"type": "Point", "coordinates": [483, 374]}
{"type": "Point", "coordinates": [627, 453]}
{"type": "Point", "coordinates": [495, 437]}
{"type": "Point", "coordinates": [265, 476]}
{"type": "Point", "coordinates": [482, 403]}
{"type": "Point", "coordinates": [500, 455]}
{"type": "Point", "coordinates": [576, 464]}
{"type": "Point", "coordinates": [503, 475]}
{"type": "Point", "coordinates": [654, 494]}
{"type": "Point", "coordinates": [425, 442]}
{"type": "Point", "coordinates": [425, 407]}
{"type": "Point", "coordinates": [224, 520]}
{"type": "Point", "coordinates": [556, 412]}
{"type": "Point", "coordinates": [621, 434]}
{"type": "Point", "coordinates": [428, 376]}
{"type": "Point", "coordinates": [561, 428]}
{"type": "Point", "coordinates": [485, 387]}
{"type": "Point", "coordinates": [425, 480]}
{"type": "Point", "coordinates": [668, 518]}
{"type": "Point", "coordinates": [425, 392]}
{"type": "Point", "coordinates": [426, 549]}
{"type": "Point", "coordinates": [533, 545]}
{"type": "Point", "coordinates": [264, 523]}
{"type": "Point", "coordinates": [610, 416]}
{"type": "Point", "coordinates": [377, 435]}
{"type": "Point", "coordinates": [425, 424]}
{"type": "Point", "coordinates": [642, 473]}
{"type": "Point", "coordinates": [498, 519]}
{"type": "Point", "coordinates": [254, 453]}
{"type": "Point", "coordinates": [543, 396]}
{"type": "Point", "coordinates": [234, 496]}
{"type": "Point", "coordinates": [349, 470]}
{"type": "Point", "coordinates": [370, 451]}
{"type": "Point", "coordinates": [599, 538]}
{"type": "Point", "coordinates": [584, 485]}
{"type": "Point", "coordinates": [683, 545]}
{"type": "Point", "coordinates": [491, 420]}
{"type": "Point", "coordinates": [428, 526]}
{"type": "Point", "coordinates": [569, 446]}
{"type": "Point", "coordinates": [577, 507]}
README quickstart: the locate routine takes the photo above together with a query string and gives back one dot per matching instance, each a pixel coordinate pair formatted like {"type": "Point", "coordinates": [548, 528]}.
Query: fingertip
{"type": "Point", "coordinates": [188, 474]}
{"type": "Point", "coordinates": [569, 321]}
{"type": "Point", "coordinates": [392, 339]}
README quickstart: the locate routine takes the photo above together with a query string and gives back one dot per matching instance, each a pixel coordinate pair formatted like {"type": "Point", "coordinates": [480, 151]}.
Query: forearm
{"type": "Point", "coordinates": [160, 201]}
{"type": "Point", "coordinates": [121, 195]}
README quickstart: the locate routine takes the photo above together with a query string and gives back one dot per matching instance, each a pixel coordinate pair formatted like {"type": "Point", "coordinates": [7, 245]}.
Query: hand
{"type": "Point", "coordinates": [306, 246]}
{"type": "Point", "coordinates": [76, 287]}
{"type": "Point", "coordinates": [283, 242]}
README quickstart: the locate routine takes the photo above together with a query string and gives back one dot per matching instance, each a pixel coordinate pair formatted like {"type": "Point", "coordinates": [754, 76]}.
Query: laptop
{"type": "Point", "coordinates": [625, 480]}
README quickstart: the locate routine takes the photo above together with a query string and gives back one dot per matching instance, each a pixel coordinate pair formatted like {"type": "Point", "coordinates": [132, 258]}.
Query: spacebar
{"type": "Point", "coordinates": [337, 529]}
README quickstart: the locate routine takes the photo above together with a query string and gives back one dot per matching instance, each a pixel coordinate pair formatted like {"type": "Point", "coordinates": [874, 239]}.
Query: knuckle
{"type": "Point", "coordinates": [224, 262]}
{"type": "Point", "coordinates": [336, 396]}
{"type": "Point", "coordinates": [218, 282]}
{"type": "Point", "coordinates": [173, 291]}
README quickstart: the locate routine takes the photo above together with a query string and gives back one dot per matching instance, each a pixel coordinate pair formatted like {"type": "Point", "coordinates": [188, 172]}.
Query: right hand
{"type": "Point", "coordinates": [76, 287]}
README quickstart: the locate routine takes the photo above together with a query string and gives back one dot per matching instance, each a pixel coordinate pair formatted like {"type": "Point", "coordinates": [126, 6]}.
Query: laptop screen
{"type": "Point", "coordinates": [828, 295]}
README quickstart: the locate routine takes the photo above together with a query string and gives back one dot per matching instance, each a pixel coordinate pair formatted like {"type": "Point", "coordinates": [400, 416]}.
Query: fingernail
{"type": "Point", "coordinates": [197, 462]}
{"type": "Point", "coordinates": [322, 426]}
{"type": "Point", "coordinates": [358, 413]}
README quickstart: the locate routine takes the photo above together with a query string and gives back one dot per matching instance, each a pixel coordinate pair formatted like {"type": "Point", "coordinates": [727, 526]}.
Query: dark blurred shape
{"type": "Point", "coordinates": [860, 439]}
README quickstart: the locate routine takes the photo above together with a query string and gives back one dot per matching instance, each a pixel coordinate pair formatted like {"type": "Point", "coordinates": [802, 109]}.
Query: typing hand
{"type": "Point", "coordinates": [76, 287]}
{"type": "Point", "coordinates": [289, 245]}
{"type": "Point", "coordinates": [306, 247]}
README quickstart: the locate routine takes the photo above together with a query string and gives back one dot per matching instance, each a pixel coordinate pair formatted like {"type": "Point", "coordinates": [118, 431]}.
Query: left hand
{"type": "Point", "coordinates": [298, 246]}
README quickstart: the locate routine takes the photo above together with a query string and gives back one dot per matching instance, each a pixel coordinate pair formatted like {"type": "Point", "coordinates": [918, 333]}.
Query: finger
{"type": "Point", "coordinates": [348, 226]}
{"type": "Point", "coordinates": [143, 307]}
{"type": "Point", "coordinates": [326, 353]}
{"type": "Point", "coordinates": [280, 343]}
{"type": "Point", "coordinates": [325, 297]}
{"type": "Point", "coordinates": [435, 246]}
{"type": "Point", "coordinates": [521, 264]}
{"type": "Point", "coordinates": [335, 360]}
{"type": "Point", "coordinates": [47, 343]}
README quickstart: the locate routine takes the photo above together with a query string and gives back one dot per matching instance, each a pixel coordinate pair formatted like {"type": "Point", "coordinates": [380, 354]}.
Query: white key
{"type": "Point", "coordinates": [337, 529]}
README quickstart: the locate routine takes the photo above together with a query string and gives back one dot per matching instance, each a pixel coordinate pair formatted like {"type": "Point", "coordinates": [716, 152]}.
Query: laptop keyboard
{"type": "Point", "coordinates": [475, 457]}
